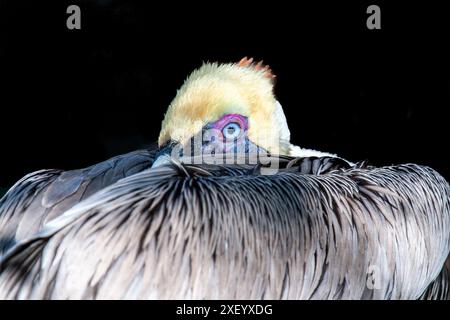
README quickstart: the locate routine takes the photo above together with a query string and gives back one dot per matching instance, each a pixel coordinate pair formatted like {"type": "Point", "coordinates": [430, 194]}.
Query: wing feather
{"type": "Point", "coordinates": [44, 195]}
{"type": "Point", "coordinates": [163, 234]}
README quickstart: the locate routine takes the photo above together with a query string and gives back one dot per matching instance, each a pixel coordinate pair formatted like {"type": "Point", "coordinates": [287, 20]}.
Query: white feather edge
{"type": "Point", "coordinates": [285, 138]}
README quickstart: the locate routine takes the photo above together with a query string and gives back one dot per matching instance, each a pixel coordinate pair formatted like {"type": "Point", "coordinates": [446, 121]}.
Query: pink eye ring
{"type": "Point", "coordinates": [230, 127]}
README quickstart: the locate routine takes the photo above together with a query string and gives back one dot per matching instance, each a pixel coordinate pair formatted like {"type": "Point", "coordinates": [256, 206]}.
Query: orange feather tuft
{"type": "Point", "coordinates": [248, 63]}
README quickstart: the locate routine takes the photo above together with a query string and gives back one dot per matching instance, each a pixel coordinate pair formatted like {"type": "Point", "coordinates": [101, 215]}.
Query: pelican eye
{"type": "Point", "coordinates": [231, 131]}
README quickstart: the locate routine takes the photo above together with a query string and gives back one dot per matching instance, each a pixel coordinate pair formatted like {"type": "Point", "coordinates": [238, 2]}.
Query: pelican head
{"type": "Point", "coordinates": [223, 109]}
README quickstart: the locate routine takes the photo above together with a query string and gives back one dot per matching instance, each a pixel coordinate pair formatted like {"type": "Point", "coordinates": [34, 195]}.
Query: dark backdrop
{"type": "Point", "coordinates": [70, 98]}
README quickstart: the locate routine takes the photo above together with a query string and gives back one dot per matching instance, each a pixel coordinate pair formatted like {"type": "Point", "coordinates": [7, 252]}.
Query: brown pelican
{"type": "Point", "coordinates": [318, 227]}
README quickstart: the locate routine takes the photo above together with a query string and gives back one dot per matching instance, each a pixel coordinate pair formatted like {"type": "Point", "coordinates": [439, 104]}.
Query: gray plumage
{"type": "Point", "coordinates": [197, 231]}
{"type": "Point", "coordinates": [43, 195]}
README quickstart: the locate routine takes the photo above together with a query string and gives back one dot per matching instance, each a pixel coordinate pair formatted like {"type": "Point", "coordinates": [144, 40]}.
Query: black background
{"type": "Point", "coordinates": [70, 98]}
{"type": "Point", "coordinates": [286, 309]}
